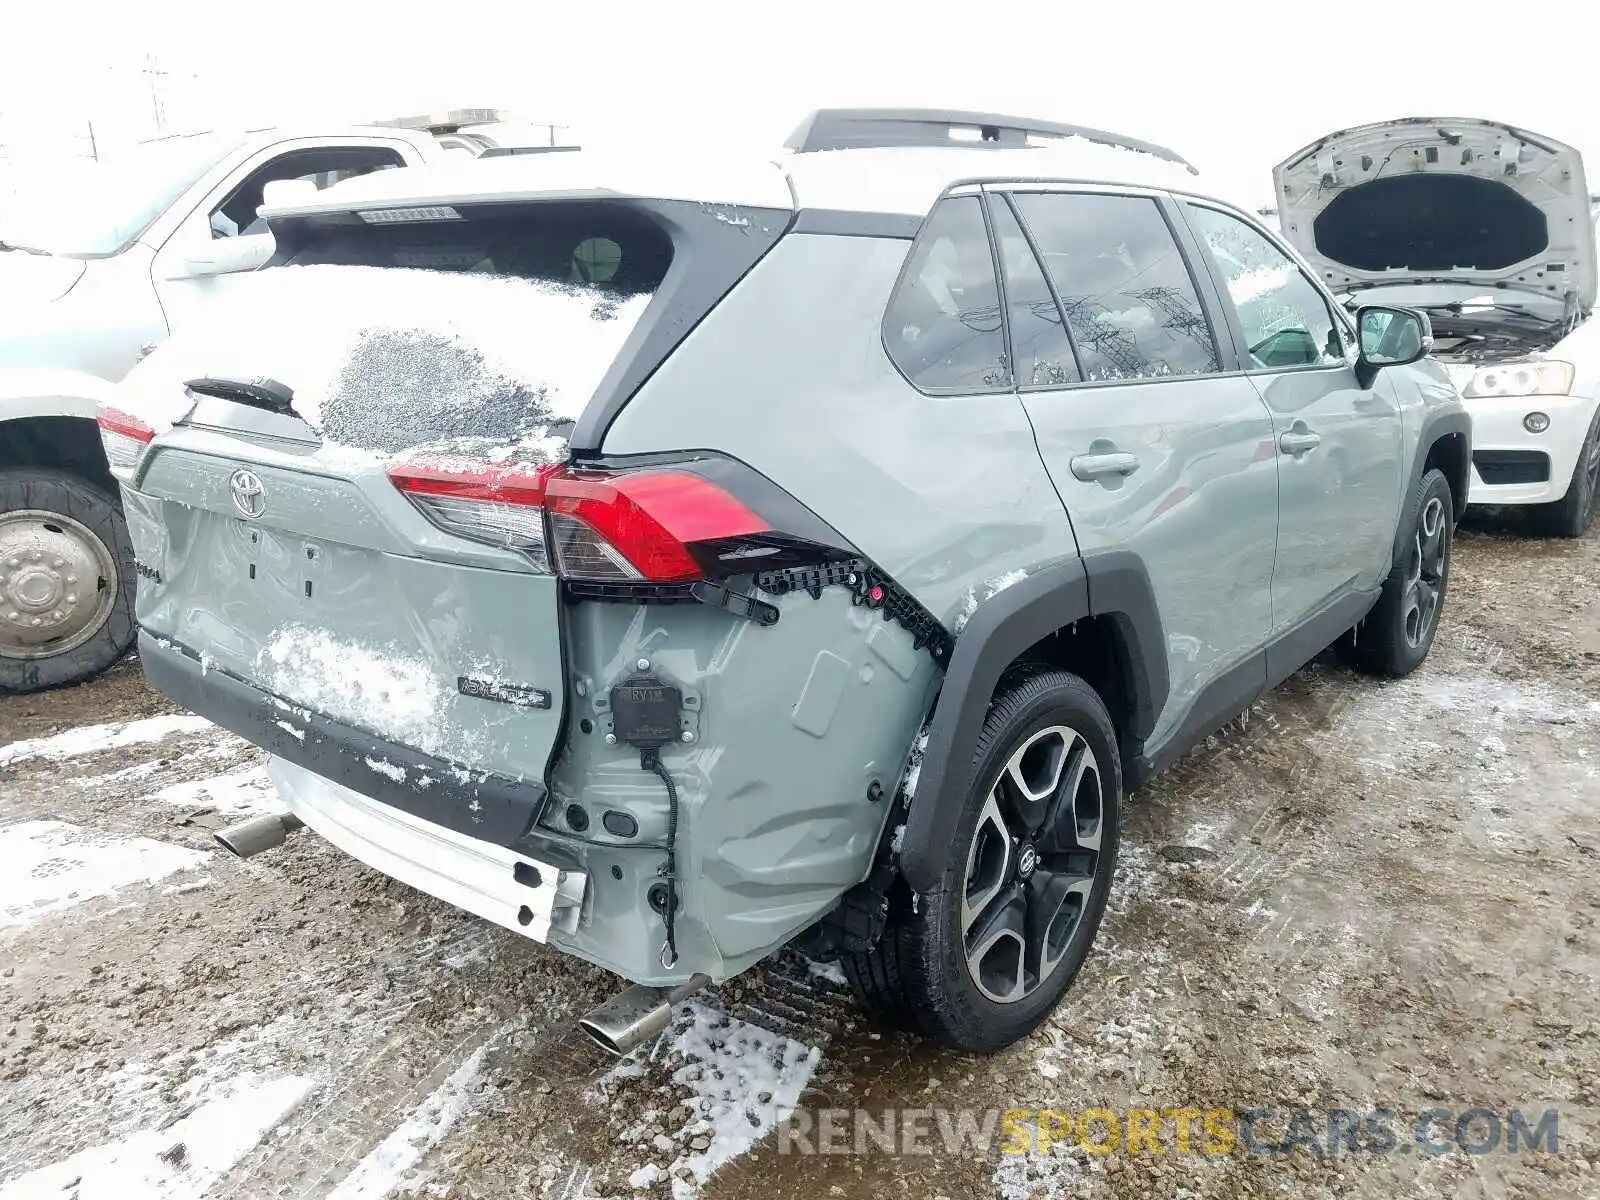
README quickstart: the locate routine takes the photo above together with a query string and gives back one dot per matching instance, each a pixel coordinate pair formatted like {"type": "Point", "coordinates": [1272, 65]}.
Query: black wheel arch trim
{"type": "Point", "coordinates": [1114, 585]}
{"type": "Point", "coordinates": [1443, 423]}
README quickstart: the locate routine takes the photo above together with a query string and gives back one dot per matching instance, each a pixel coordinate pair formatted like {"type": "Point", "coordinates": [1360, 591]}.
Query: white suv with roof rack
{"type": "Point", "coordinates": [1489, 229]}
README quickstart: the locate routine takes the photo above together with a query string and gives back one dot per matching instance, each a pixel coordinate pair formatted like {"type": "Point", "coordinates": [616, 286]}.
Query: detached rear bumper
{"type": "Point", "coordinates": [476, 804]}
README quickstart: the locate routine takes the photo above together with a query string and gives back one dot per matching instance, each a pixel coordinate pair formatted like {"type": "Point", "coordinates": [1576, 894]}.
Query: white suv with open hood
{"type": "Point", "coordinates": [1488, 229]}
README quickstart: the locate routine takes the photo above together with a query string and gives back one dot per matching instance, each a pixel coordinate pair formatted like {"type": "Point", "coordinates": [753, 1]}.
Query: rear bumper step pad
{"type": "Point", "coordinates": [492, 808]}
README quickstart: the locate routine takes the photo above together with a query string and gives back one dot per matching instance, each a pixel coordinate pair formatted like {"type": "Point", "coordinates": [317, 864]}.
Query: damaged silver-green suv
{"type": "Point", "coordinates": [670, 560]}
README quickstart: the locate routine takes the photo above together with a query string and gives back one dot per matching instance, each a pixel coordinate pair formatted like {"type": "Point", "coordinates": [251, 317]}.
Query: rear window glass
{"type": "Point", "coordinates": [485, 335]}
{"type": "Point", "coordinates": [607, 247]}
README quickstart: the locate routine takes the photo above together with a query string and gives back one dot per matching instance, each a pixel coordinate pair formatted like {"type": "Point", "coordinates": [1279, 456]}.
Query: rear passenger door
{"type": "Point", "coordinates": [1339, 469]}
{"type": "Point", "coordinates": [1153, 448]}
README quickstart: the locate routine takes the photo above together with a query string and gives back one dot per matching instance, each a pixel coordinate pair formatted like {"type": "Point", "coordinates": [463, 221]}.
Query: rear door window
{"type": "Point", "coordinates": [943, 327]}
{"type": "Point", "coordinates": [1129, 300]}
{"type": "Point", "coordinates": [1039, 341]}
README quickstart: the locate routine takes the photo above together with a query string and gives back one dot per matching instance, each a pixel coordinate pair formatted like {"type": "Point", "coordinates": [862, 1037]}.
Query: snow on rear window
{"type": "Point", "coordinates": [390, 360]}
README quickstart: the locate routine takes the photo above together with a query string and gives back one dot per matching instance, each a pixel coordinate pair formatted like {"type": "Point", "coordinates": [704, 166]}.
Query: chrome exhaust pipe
{"type": "Point", "coordinates": [258, 834]}
{"type": "Point", "coordinates": [633, 1017]}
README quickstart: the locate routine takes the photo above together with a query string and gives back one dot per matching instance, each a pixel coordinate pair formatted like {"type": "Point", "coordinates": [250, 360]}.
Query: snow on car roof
{"type": "Point", "coordinates": [893, 180]}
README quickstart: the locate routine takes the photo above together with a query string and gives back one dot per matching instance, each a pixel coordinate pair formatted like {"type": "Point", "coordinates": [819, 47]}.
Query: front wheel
{"type": "Point", "coordinates": [66, 580]}
{"type": "Point", "coordinates": [1397, 634]}
{"type": "Point", "coordinates": [982, 960]}
{"type": "Point", "coordinates": [1572, 515]}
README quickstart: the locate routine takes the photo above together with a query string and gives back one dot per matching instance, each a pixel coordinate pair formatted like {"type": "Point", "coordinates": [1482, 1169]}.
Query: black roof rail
{"type": "Point", "coordinates": [508, 151]}
{"type": "Point", "coordinates": [872, 128]}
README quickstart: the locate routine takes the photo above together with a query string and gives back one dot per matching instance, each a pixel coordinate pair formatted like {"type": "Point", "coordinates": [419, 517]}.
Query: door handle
{"type": "Point", "coordinates": [1299, 441]}
{"type": "Point", "coordinates": [1098, 466]}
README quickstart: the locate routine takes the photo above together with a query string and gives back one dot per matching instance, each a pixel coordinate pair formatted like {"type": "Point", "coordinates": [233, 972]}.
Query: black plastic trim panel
{"type": "Point", "coordinates": [713, 247]}
{"type": "Point", "coordinates": [1001, 629]}
{"type": "Point", "coordinates": [492, 808]}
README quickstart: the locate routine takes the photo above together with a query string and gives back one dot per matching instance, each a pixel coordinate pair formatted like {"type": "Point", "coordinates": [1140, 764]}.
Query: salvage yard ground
{"type": "Point", "coordinates": [1359, 896]}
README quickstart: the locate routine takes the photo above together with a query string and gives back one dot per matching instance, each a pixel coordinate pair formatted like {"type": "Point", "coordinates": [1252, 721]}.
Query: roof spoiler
{"type": "Point", "coordinates": [872, 128]}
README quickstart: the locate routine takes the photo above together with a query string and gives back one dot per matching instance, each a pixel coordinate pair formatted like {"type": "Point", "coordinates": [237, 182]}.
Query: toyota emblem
{"type": "Point", "coordinates": [249, 496]}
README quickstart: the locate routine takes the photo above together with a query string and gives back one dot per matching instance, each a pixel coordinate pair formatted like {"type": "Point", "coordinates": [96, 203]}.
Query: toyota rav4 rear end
{"type": "Point", "coordinates": [537, 688]}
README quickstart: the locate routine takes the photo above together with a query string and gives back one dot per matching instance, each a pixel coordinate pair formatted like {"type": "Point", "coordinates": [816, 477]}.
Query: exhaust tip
{"type": "Point", "coordinates": [601, 1037]}
{"type": "Point", "coordinates": [258, 835]}
{"type": "Point", "coordinates": [636, 1015]}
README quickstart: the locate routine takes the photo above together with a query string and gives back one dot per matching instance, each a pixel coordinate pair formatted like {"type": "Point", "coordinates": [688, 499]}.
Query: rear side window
{"type": "Point", "coordinates": [943, 327]}
{"type": "Point", "coordinates": [1129, 300]}
{"type": "Point", "coordinates": [1286, 321]}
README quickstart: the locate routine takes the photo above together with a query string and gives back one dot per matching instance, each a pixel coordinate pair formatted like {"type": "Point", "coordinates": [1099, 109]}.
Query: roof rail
{"type": "Point", "coordinates": [871, 128]}
{"type": "Point", "coordinates": [445, 122]}
{"type": "Point", "coordinates": [508, 151]}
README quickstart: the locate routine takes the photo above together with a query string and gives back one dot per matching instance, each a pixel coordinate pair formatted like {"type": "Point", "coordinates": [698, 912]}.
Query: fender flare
{"type": "Point", "coordinates": [1436, 425]}
{"type": "Point", "coordinates": [1114, 585]}
{"type": "Point", "coordinates": [51, 393]}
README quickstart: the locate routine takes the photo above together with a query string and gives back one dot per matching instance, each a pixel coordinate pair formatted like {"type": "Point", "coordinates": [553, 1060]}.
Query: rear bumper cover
{"type": "Point", "coordinates": [476, 804]}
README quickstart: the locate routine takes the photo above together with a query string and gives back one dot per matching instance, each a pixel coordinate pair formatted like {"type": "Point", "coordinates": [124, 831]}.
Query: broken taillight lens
{"type": "Point", "coordinates": [501, 505]}
{"type": "Point", "coordinates": [124, 437]}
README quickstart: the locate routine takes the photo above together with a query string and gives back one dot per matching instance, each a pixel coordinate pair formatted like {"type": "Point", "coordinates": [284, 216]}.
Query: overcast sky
{"type": "Point", "coordinates": [1233, 86]}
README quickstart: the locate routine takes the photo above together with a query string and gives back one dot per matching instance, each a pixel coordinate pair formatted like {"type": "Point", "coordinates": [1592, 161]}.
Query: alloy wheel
{"type": "Point", "coordinates": [1031, 865]}
{"type": "Point", "coordinates": [1428, 564]}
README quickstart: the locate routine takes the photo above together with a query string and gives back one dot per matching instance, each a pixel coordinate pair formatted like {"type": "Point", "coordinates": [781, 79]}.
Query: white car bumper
{"type": "Point", "coordinates": [1511, 465]}
{"type": "Point", "coordinates": [523, 894]}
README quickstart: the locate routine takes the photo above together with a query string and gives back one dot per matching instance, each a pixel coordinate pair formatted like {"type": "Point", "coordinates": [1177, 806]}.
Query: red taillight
{"type": "Point", "coordinates": [614, 527]}
{"type": "Point", "coordinates": [637, 526]}
{"type": "Point", "coordinates": [124, 437]}
{"type": "Point", "coordinates": [499, 504]}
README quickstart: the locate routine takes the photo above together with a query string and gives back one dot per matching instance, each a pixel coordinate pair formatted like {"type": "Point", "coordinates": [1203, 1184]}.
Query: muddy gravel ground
{"type": "Point", "coordinates": [1360, 896]}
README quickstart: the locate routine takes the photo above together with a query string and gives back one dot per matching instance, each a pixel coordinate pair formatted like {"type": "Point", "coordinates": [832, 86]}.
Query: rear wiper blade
{"type": "Point", "coordinates": [266, 394]}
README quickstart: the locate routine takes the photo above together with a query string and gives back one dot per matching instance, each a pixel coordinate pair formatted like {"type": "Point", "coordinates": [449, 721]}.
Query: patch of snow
{"type": "Point", "coordinates": [368, 686]}
{"type": "Point", "coordinates": [180, 1162]}
{"type": "Point", "coordinates": [386, 1164]}
{"type": "Point", "coordinates": [240, 792]}
{"type": "Point", "coordinates": [747, 1079]}
{"type": "Point", "coordinates": [126, 775]}
{"type": "Point", "coordinates": [908, 785]}
{"type": "Point", "coordinates": [831, 971]}
{"type": "Point", "coordinates": [46, 866]}
{"type": "Point", "coordinates": [645, 1177]}
{"type": "Point", "coordinates": [898, 838]}
{"type": "Point", "coordinates": [91, 739]}
{"type": "Point", "coordinates": [293, 731]}
{"type": "Point", "coordinates": [385, 359]}
{"type": "Point", "coordinates": [389, 770]}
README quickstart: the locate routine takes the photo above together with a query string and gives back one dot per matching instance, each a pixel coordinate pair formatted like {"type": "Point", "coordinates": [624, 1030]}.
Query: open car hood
{"type": "Point", "coordinates": [1442, 200]}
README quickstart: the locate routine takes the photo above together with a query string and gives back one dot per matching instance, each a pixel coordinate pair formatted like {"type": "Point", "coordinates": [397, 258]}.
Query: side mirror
{"type": "Point", "coordinates": [226, 256]}
{"type": "Point", "coordinates": [1390, 337]}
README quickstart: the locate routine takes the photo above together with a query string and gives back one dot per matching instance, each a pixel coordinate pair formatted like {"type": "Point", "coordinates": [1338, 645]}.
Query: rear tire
{"type": "Point", "coordinates": [66, 580]}
{"type": "Point", "coordinates": [981, 961]}
{"type": "Point", "coordinates": [1571, 516]}
{"type": "Point", "coordinates": [1395, 637]}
